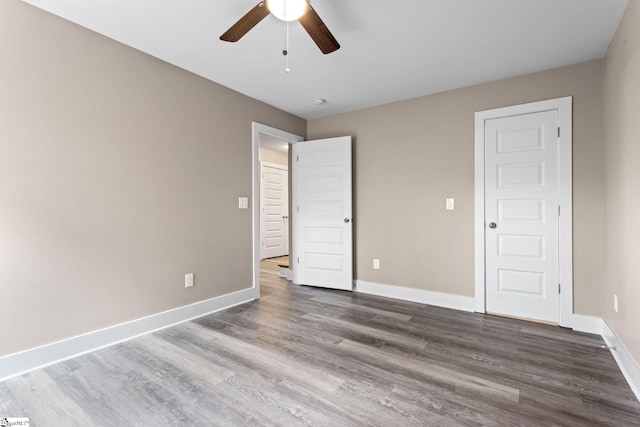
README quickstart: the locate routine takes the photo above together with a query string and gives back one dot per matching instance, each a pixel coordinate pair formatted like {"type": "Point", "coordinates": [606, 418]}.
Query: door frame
{"type": "Point", "coordinates": [258, 129]}
{"type": "Point", "coordinates": [565, 193]}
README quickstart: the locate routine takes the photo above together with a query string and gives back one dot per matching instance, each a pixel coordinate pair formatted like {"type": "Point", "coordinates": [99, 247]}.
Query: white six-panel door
{"type": "Point", "coordinates": [521, 216]}
{"type": "Point", "coordinates": [274, 207]}
{"type": "Point", "coordinates": [323, 213]}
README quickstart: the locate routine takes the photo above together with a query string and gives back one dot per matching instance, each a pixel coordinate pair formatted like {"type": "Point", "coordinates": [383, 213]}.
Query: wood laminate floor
{"type": "Point", "coordinates": [313, 357]}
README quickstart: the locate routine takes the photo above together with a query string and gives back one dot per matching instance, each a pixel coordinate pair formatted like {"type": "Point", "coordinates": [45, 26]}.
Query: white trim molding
{"type": "Point", "coordinates": [456, 302]}
{"type": "Point", "coordinates": [565, 192]}
{"type": "Point", "coordinates": [39, 357]}
{"type": "Point", "coordinates": [628, 366]}
{"type": "Point", "coordinates": [284, 273]}
{"type": "Point", "coordinates": [584, 323]}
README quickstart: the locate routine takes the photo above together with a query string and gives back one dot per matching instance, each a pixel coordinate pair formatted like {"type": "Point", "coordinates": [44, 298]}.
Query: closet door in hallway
{"type": "Point", "coordinates": [274, 208]}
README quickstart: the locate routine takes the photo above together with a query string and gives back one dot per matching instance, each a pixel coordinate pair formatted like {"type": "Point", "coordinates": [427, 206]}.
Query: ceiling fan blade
{"type": "Point", "coordinates": [318, 31]}
{"type": "Point", "coordinates": [245, 23]}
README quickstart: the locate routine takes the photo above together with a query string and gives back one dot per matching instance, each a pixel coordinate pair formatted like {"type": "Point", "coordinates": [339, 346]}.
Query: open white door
{"type": "Point", "coordinates": [322, 213]}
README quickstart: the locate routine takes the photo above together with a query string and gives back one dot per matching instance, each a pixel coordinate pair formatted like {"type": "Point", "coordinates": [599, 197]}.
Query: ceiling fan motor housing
{"type": "Point", "coordinates": [287, 10]}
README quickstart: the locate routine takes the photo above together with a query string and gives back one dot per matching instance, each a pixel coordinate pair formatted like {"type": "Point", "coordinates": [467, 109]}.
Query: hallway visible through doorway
{"type": "Point", "coordinates": [270, 280]}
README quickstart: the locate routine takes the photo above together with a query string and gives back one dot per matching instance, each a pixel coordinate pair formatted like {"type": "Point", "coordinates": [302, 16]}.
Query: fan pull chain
{"type": "Point", "coordinates": [285, 52]}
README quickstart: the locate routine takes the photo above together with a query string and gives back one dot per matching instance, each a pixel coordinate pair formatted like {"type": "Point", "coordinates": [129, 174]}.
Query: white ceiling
{"type": "Point", "coordinates": [391, 50]}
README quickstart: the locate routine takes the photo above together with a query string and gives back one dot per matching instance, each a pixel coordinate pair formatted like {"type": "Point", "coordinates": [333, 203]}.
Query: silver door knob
{"type": "Point", "coordinates": [347, 220]}
{"type": "Point", "coordinates": [492, 225]}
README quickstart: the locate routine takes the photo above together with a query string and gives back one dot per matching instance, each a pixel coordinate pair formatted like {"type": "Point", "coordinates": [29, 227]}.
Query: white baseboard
{"type": "Point", "coordinates": [284, 272]}
{"type": "Point", "coordinates": [456, 302]}
{"type": "Point", "coordinates": [584, 323]}
{"type": "Point", "coordinates": [20, 363]}
{"type": "Point", "coordinates": [625, 361]}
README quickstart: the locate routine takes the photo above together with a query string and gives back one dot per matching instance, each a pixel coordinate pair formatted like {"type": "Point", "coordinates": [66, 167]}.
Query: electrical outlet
{"type": "Point", "coordinates": [615, 303]}
{"type": "Point", "coordinates": [243, 202]}
{"type": "Point", "coordinates": [376, 264]}
{"type": "Point", "coordinates": [188, 280]}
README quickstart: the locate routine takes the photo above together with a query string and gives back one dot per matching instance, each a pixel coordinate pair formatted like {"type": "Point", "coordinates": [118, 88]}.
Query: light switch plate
{"type": "Point", "coordinates": [188, 280]}
{"type": "Point", "coordinates": [450, 204]}
{"type": "Point", "coordinates": [243, 202]}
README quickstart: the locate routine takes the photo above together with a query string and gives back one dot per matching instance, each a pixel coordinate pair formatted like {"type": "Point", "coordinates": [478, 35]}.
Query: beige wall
{"type": "Point", "coordinates": [621, 95]}
{"type": "Point", "coordinates": [273, 156]}
{"type": "Point", "coordinates": [117, 169]}
{"type": "Point", "coordinates": [119, 173]}
{"type": "Point", "coordinates": [412, 155]}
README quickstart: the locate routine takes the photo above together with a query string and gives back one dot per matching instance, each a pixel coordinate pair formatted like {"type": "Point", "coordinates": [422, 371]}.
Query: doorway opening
{"type": "Point", "coordinates": [277, 142]}
{"type": "Point", "coordinates": [274, 198]}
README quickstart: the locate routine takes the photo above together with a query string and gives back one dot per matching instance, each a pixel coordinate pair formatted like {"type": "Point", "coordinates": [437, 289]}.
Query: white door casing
{"type": "Point", "coordinates": [523, 184]}
{"type": "Point", "coordinates": [274, 208]}
{"type": "Point", "coordinates": [521, 216]}
{"type": "Point", "coordinates": [322, 209]}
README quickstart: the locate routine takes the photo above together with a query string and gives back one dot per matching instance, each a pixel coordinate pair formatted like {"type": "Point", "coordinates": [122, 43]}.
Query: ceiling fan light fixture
{"type": "Point", "coordinates": [287, 10]}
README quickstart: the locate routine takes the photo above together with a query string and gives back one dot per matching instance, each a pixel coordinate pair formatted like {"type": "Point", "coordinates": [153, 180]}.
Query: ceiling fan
{"type": "Point", "coordinates": [285, 10]}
